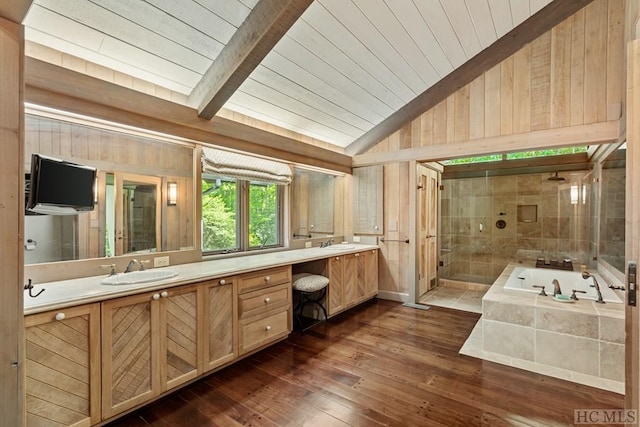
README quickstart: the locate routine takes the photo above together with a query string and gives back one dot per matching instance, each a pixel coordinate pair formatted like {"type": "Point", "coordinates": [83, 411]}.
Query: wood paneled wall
{"type": "Point", "coordinates": [572, 75]}
{"type": "Point", "coordinates": [11, 224]}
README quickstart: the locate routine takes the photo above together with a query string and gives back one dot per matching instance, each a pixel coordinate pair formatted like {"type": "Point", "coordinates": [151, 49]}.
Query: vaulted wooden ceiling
{"type": "Point", "coordinates": [342, 71]}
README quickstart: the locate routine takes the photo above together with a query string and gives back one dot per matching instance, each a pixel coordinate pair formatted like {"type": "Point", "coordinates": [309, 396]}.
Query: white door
{"type": "Point", "coordinates": [427, 180]}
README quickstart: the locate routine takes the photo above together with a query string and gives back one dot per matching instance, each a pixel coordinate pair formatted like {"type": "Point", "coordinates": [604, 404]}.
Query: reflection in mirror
{"type": "Point", "coordinates": [136, 216]}
{"type": "Point", "coordinates": [117, 155]}
{"type": "Point", "coordinates": [612, 209]}
{"type": "Point", "coordinates": [313, 204]}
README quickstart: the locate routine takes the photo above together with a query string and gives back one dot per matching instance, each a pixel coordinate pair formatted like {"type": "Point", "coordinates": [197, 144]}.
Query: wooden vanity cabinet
{"type": "Point", "coordinates": [353, 278]}
{"type": "Point", "coordinates": [264, 308]}
{"type": "Point", "coordinates": [149, 345]}
{"type": "Point", "coordinates": [62, 351]}
{"type": "Point", "coordinates": [220, 308]}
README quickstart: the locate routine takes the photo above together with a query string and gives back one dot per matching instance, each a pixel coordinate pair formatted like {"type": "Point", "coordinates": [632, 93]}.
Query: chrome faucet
{"type": "Point", "coordinates": [130, 266]}
{"type": "Point", "coordinates": [556, 287]}
{"type": "Point", "coordinates": [326, 244]}
{"type": "Point", "coordinates": [586, 275]}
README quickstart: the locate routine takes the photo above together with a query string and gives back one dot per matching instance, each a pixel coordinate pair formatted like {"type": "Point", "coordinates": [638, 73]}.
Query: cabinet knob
{"type": "Point", "coordinates": [337, 258]}
{"type": "Point", "coordinates": [267, 278]}
{"type": "Point", "coordinates": [267, 300]}
{"type": "Point", "coordinates": [164, 294]}
{"type": "Point", "coordinates": [357, 254]}
{"type": "Point", "coordinates": [223, 282]}
{"type": "Point", "coordinates": [60, 316]}
{"type": "Point", "coordinates": [155, 297]}
{"type": "Point", "coordinates": [375, 227]}
{"type": "Point", "coordinates": [267, 328]}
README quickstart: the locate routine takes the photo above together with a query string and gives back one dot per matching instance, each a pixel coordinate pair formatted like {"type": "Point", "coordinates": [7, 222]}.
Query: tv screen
{"type": "Point", "coordinates": [60, 187]}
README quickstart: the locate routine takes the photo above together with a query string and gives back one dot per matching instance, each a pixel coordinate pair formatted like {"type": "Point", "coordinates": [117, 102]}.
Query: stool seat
{"type": "Point", "coordinates": [310, 290]}
{"type": "Point", "coordinates": [307, 282]}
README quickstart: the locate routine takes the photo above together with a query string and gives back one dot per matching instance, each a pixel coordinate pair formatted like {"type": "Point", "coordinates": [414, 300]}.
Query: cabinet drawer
{"type": "Point", "coordinates": [263, 300]}
{"type": "Point", "coordinates": [260, 332]}
{"type": "Point", "coordinates": [260, 279]}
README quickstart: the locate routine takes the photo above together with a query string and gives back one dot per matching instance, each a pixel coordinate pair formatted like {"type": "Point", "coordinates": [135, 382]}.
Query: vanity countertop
{"type": "Point", "coordinates": [84, 290]}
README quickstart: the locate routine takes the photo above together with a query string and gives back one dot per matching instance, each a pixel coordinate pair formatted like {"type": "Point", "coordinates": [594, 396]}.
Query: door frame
{"type": "Point", "coordinates": [414, 217]}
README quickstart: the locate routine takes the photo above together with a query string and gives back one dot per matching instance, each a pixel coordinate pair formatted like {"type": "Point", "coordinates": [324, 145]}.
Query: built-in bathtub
{"type": "Point", "coordinates": [524, 279]}
{"type": "Point", "coordinates": [582, 341]}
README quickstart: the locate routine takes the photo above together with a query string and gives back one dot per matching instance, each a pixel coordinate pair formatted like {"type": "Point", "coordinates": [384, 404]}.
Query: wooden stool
{"type": "Point", "coordinates": [311, 289]}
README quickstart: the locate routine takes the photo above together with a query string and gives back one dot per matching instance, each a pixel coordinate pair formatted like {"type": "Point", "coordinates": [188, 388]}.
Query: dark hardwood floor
{"type": "Point", "coordinates": [379, 364]}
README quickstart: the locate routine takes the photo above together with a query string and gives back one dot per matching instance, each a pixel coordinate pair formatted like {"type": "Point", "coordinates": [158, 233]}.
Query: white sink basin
{"type": "Point", "coordinates": [340, 247]}
{"type": "Point", "coordinates": [138, 277]}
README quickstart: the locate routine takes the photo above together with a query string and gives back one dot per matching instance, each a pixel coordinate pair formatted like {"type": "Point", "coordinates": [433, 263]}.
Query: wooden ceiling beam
{"type": "Point", "coordinates": [52, 86]}
{"type": "Point", "coordinates": [264, 27]}
{"type": "Point", "coordinates": [538, 24]}
{"type": "Point", "coordinates": [14, 10]}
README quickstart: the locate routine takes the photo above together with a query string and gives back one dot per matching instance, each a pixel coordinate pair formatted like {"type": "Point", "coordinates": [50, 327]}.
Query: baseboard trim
{"type": "Point", "coordinates": [393, 296]}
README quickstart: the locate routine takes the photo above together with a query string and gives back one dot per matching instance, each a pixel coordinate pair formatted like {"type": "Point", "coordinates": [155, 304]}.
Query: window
{"type": "Point", "coordinates": [239, 215]}
{"type": "Point", "coordinates": [242, 201]}
{"type": "Point", "coordinates": [518, 155]}
{"type": "Point", "coordinates": [219, 220]}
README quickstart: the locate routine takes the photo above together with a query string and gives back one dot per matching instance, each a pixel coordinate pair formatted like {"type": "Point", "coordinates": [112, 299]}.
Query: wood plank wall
{"type": "Point", "coordinates": [571, 75]}
{"type": "Point", "coordinates": [118, 152]}
{"type": "Point", "coordinates": [11, 224]}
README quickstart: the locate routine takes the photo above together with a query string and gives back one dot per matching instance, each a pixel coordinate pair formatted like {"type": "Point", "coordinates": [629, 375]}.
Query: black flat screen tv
{"type": "Point", "coordinates": [58, 187]}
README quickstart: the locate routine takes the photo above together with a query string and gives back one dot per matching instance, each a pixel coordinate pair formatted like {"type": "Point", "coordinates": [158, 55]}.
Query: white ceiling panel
{"type": "Point", "coordinates": [482, 21]}
{"type": "Point", "coordinates": [341, 69]}
{"type": "Point", "coordinates": [501, 13]}
{"type": "Point", "coordinates": [462, 24]}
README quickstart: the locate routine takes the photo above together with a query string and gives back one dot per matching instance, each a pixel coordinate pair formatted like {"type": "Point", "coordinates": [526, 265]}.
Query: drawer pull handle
{"type": "Point", "coordinates": [164, 294]}
{"type": "Point", "coordinates": [155, 297]}
{"type": "Point", "coordinates": [267, 300]}
{"type": "Point", "coordinates": [223, 282]}
{"type": "Point", "coordinates": [267, 328]}
{"type": "Point", "coordinates": [267, 278]}
{"type": "Point", "coordinates": [60, 316]}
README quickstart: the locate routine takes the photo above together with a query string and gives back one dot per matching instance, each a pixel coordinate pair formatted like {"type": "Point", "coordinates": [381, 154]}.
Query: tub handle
{"type": "Point", "coordinates": [573, 294]}
{"type": "Point", "coordinates": [542, 292]}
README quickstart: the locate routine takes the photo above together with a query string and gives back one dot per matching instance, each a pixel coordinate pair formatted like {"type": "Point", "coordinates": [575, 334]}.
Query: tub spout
{"type": "Point", "coordinates": [586, 275]}
{"type": "Point", "coordinates": [556, 287]}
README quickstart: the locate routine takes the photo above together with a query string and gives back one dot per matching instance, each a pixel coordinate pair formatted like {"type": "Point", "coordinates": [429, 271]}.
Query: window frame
{"type": "Point", "coordinates": [242, 216]}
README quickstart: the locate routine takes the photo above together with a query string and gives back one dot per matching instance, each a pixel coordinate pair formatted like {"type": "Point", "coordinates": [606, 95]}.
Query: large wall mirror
{"type": "Point", "coordinates": [612, 209]}
{"type": "Point", "coordinates": [144, 193]}
{"type": "Point", "coordinates": [313, 204]}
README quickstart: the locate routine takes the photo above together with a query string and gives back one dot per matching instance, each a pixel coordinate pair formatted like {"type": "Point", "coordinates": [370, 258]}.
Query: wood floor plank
{"type": "Point", "coordinates": [377, 364]}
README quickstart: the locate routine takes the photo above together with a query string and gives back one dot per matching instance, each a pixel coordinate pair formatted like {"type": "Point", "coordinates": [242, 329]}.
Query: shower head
{"type": "Point", "coordinates": [555, 178]}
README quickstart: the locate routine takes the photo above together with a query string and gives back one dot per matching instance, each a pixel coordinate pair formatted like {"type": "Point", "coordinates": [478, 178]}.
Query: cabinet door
{"type": "Point", "coordinates": [220, 339]}
{"type": "Point", "coordinates": [336, 286]}
{"type": "Point", "coordinates": [178, 336]}
{"type": "Point", "coordinates": [371, 273]}
{"type": "Point", "coordinates": [361, 279]}
{"type": "Point", "coordinates": [350, 280]}
{"type": "Point", "coordinates": [63, 367]}
{"type": "Point", "coordinates": [130, 332]}
{"type": "Point", "coordinates": [367, 200]}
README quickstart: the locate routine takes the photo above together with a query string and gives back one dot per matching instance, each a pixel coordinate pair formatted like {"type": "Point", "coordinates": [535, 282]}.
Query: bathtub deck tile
{"type": "Point", "coordinates": [567, 351]}
{"type": "Point", "coordinates": [612, 361]}
{"type": "Point", "coordinates": [567, 322]}
{"type": "Point", "coordinates": [510, 313]}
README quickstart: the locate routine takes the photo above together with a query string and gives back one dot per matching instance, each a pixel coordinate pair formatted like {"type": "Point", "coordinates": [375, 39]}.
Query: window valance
{"type": "Point", "coordinates": [242, 166]}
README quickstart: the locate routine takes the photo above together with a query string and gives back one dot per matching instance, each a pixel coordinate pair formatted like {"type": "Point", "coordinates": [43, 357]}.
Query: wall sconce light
{"type": "Point", "coordinates": [172, 193]}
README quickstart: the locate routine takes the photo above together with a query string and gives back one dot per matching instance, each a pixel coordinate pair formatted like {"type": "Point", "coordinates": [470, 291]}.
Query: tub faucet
{"type": "Point", "coordinates": [586, 275]}
{"type": "Point", "coordinates": [130, 266]}
{"type": "Point", "coordinates": [556, 288]}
